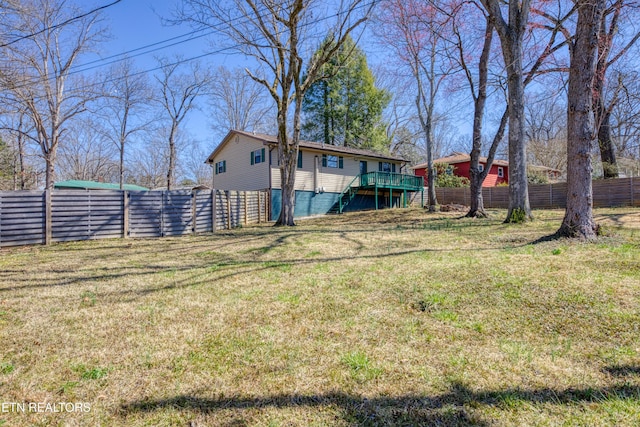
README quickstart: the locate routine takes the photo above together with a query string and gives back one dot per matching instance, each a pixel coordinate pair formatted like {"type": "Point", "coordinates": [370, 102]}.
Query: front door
{"type": "Point", "coordinates": [363, 167]}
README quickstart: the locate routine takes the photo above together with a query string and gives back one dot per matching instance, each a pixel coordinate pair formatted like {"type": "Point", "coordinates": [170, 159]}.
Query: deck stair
{"type": "Point", "coordinates": [347, 195]}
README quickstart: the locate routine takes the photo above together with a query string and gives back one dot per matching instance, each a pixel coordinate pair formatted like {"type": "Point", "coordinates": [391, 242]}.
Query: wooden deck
{"type": "Point", "coordinates": [379, 182]}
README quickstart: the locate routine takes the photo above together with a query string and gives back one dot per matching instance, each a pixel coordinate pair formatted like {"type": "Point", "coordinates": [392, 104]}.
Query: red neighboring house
{"type": "Point", "coordinates": [461, 163]}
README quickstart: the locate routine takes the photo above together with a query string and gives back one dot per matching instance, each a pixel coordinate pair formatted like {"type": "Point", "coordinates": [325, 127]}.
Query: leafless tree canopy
{"type": "Point", "coordinates": [239, 102]}
{"type": "Point", "coordinates": [36, 74]}
{"type": "Point", "coordinates": [178, 93]}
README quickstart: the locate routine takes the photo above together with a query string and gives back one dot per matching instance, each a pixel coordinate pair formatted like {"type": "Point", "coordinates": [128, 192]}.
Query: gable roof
{"type": "Point", "coordinates": [541, 168]}
{"type": "Point", "coordinates": [93, 185]}
{"type": "Point", "coordinates": [273, 140]}
{"type": "Point", "coordinates": [457, 157]}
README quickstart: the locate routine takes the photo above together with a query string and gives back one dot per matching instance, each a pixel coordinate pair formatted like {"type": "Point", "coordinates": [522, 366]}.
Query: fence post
{"type": "Point", "coordinates": [259, 208]}
{"type": "Point", "coordinates": [267, 205]}
{"type": "Point", "coordinates": [125, 214]}
{"type": "Point", "coordinates": [245, 208]}
{"type": "Point", "coordinates": [194, 210]}
{"type": "Point", "coordinates": [228, 209]}
{"type": "Point", "coordinates": [633, 202]}
{"type": "Point", "coordinates": [213, 209]}
{"type": "Point", "coordinates": [551, 195]}
{"type": "Point", "coordinates": [162, 203]}
{"type": "Point", "coordinates": [47, 213]}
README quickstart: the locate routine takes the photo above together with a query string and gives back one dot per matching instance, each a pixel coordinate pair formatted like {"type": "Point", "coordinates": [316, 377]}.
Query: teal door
{"type": "Point", "coordinates": [363, 167]}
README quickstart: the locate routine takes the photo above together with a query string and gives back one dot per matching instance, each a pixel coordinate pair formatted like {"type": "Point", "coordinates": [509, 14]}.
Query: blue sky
{"type": "Point", "coordinates": [137, 23]}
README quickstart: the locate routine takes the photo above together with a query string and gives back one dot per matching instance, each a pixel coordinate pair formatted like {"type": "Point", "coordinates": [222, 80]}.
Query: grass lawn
{"type": "Point", "coordinates": [395, 317]}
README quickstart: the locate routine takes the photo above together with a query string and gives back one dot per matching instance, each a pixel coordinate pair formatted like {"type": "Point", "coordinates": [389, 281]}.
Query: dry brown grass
{"type": "Point", "coordinates": [382, 318]}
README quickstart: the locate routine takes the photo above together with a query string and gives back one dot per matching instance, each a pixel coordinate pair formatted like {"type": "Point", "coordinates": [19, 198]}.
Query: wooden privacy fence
{"type": "Point", "coordinates": [606, 193]}
{"type": "Point", "coordinates": [98, 214]}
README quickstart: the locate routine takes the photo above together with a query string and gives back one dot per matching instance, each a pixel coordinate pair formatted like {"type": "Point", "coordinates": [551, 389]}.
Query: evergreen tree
{"type": "Point", "coordinates": [345, 106]}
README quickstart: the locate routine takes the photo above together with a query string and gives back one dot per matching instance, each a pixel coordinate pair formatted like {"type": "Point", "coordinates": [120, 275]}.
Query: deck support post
{"type": "Point", "coordinates": [125, 214]}
{"type": "Point", "coordinates": [376, 188]}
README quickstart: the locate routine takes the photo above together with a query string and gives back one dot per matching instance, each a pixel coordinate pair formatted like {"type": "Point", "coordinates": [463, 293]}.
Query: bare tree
{"type": "Point", "coordinates": [148, 165]}
{"type": "Point", "coordinates": [238, 102]}
{"type": "Point", "coordinates": [126, 98]}
{"type": "Point", "coordinates": [18, 129]}
{"type": "Point", "coordinates": [38, 74]}
{"type": "Point", "coordinates": [178, 93]}
{"type": "Point", "coordinates": [275, 34]}
{"type": "Point", "coordinates": [625, 116]}
{"type": "Point", "coordinates": [581, 128]}
{"type": "Point", "coordinates": [418, 32]}
{"type": "Point", "coordinates": [195, 169]}
{"type": "Point", "coordinates": [86, 154]}
{"type": "Point", "coordinates": [477, 78]}
{"type": "Point", "coordinates": [511, 30]}
{"type": "Point", "coordinates": [546, 130]}
{"type": "Point", "coordinates": [611, 47]}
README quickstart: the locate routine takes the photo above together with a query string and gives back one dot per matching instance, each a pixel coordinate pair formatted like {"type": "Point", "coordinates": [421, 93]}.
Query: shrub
{"type": "Point", "coordinates": [445, 177]}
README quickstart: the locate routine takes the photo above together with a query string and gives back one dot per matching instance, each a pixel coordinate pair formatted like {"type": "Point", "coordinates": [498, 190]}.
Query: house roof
{"type": "Point", "coordinates": [272, 140]}
{"type": "Point", "coordinates": [93, 185]}
{"type": "Point", "coordinates": [457, 157]}
{"type": "Point", "coordinates": [542, 168]}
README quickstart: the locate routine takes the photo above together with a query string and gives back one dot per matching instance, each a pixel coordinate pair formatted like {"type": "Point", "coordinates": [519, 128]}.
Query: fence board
{"type": "Point", "coordinates": [98, 214]}
{"type": "Point", "coordinates": [203, 212]}
{"type": "Point", "coordinates": [606, 193]}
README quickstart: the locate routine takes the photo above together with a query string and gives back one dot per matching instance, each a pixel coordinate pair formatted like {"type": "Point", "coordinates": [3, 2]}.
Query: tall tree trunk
{"type": "Point", "coordinates": [476, 178]}
{"type": "Point", "coordinates": [476, 209]}
{"type": "Point", "coordinates": [607, 147]}
{"type": "Point", "coordinates": [172, 156]}
{"type": "Point", "coordinates": [519, 208]}
{"type": "Point", "coordinates": [431, 176]}
{"type": "Point", "coordinates": [121, 171]}
{"type": "Point", "coordinates": [50, 161]}
{"type": "Point", "coordinates": [287, 155]}
{"type": "Point", "coordinates": [578, 219]}
{"type": "Point", "coordinates": [511, 36]}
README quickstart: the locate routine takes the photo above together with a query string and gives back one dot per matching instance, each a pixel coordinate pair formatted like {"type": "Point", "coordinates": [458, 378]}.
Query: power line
{"type": "Point", "coordinates": [178, 62]}
{"type": "Point", "coordinates": [126, 54]}
{"type": "Point", "coordinates": [112, 58]}
{"type": "Point", "coordinates": [53, 27]}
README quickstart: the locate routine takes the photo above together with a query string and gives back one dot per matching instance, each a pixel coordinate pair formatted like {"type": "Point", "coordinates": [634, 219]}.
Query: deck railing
{"type": "Point", "coordinates": [398, 181]}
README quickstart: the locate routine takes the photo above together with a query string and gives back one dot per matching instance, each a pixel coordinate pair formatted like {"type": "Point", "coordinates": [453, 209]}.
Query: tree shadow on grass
{"type": "Point", "coordinates": [622, 370]}
{"type": "Point", "coordinates": [454, 408]}
{"type": "Point", "coordinates": [383, 411]}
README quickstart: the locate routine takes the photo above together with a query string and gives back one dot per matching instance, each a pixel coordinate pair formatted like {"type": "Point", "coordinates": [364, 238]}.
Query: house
{"type": "Point", "coordinates": [550, 174]}
{"type": "Point", "coordinates": [461, 164]}
{"type": "Point", "coordinates": [74, 184]}
{"type": "Point", "coordinates": [328, 178]}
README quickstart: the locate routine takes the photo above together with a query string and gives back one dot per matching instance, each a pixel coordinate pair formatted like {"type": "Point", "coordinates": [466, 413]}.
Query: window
{"type": "Point", "coordinates": [258, 156]}
{"type": "Point", "coordinates": [221, 167]}
{"type": "Point", "coordinates": [329, 161]}
{"type": "Point", "coordinates": [449, 170]}
{"type": "Point", "coordinates": [299, 159]}
{"type": "Point", "coordinates": [386, 167]}
{"type": "Point", "coordinates": [500, 172]}
{"type": "Point", "coordinates": [480, 167]}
